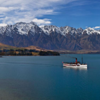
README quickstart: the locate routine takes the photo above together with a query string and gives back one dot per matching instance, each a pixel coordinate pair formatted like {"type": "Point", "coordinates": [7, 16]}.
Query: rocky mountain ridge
{"type": "Point", "coordinates": [50, 37]}
{"type": "Point", "coordinates": [23, 28]}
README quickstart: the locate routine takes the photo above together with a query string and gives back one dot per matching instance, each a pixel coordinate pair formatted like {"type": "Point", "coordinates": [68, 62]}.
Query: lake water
{"type": "Point", "coordinates": [44, 78]}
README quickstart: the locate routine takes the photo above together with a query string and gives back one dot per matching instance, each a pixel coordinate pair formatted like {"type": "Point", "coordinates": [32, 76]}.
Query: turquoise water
{"type": "Point", "coordinates": [44, 78]}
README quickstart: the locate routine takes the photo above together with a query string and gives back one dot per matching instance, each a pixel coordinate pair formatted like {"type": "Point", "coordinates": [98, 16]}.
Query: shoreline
{"type": "Point", "coordinates": [80, 52]}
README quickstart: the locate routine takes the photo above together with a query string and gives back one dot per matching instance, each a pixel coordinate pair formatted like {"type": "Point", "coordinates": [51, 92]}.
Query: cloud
{"type": "Point", "coordinates": [42, 22]}
{"type": "Point", "coordinates": [27, 10]}
{"type": "Point", "coordinates": [3, 25]}
{"type": "Point", "coordinates": [6, 9]}
{"type": "Point", "coordinates": [97, 27]}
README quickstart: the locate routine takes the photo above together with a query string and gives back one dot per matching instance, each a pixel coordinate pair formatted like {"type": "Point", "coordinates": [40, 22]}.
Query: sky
{"type": "Point", "coordinates": [74, 13]}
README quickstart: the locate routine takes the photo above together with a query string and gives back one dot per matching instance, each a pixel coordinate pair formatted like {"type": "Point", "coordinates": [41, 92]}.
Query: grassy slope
{"type": "Point", "coordinates": [3, 46]}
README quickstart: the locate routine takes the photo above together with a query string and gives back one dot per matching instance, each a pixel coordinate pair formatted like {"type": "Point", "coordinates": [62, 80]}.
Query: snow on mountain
{"type": "Point", "coordinates": [6, 30]}
{"type": "Point", "coordinates": [50, 28]}
{"type": "Point", "coordinates": [68, 30]}
{"type": "Point", "coordinates": [79, 31]}
{"type": "Point", "coordinates": [23, 28]}
{"type": "Point", "coordinates": [91, 31]}
{"type": "Point", "coordinates": [2, 29]}
{"type": "Point", "coordinates": [62, 30]}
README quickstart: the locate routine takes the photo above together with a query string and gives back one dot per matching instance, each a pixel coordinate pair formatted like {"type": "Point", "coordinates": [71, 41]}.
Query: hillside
{"type": "Point", "coordinates": [6, 50]}
{"type": "Point", "coordinates": [4, 46]}
{"type": "Point", "coordinates": [34, 47]}
{"type": "Point", "coordinates": [7, 47]}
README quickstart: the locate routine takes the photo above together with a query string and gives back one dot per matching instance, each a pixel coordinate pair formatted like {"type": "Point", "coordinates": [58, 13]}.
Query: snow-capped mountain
{"type": "Point", "coordinates": [50, 28]}
{"type": "Point", "coordinates": [91, 31]}
{"type": "Point", "coordinates": [50, 37]}
{"type": "Point", "coordinates": [25, 28]}
{"type": "Point", "coordinates": [61, 30]}
{"type": "Point", "coordinates": [68, 30]}
{"type": "Point", "coordinates": [21, 28]}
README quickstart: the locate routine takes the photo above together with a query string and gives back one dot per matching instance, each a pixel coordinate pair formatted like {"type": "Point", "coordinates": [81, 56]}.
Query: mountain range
{"type": "Point", "coordinates": [50, 37]}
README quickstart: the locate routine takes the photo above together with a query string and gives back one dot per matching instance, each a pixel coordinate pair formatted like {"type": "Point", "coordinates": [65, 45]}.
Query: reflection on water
{"type": "Point", "coordinates": [85, 69]}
